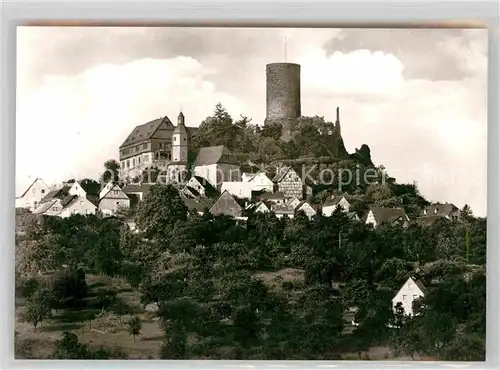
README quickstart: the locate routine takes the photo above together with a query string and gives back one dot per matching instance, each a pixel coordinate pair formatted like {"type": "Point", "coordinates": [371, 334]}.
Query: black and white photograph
{"type": "Point", "coordinates": [251, 193]}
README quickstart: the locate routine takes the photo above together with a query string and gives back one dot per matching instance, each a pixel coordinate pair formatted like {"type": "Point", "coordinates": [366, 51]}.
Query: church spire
{"type": "Point", "coordinates": [180, 119]}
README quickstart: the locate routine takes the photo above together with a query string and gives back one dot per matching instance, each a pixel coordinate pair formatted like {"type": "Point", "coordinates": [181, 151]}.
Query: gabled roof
{"type": "Point", "coordinates": [382, 214]}
{"type": "Point", "coordinates": [215, 155]}
{"type": "Point", "coordinates": [56, 194]}
{"type": "Point", "coordinates": [199, 205]}
{"type": "Point", "coordinates": [45, 206]}
{"type": "Point", "coordinates": [248, 175]}
{"type": "Point", "coordinates": [133, 188]}
{"type": "Point", "coordinates": [145, 132]}
{"type": "Point", "coordinates": [282, 209]}
{"type": "Point", "coordinates": [191, 191]}
{"type": "Point", "coordinates": [304, 202]}
{"type": "Point", "coordinates": [352, 216]}
{"type": "Point", "coordinates": [431, 219]}
{"type": "Point", "coordinates": [418, 283]}
{"type": "Point", "coordinates": [91, 188]}
{"type": "Point", "coordinates": [31, 185]}
{"type": "Point", "coordinates": [67, 200]}
{"type": "Point", "coordinates": [226, 205]}
{"type": "Point", "coordinates": [333, 200]}
{"type": "Point", "coordinates": [210, 191]}
{"type": "Point", "coordinates": [272, 196]}
{"type": "Point", "coordinates": [440, 209]}
{"type": "Point", "coordinates": [283, 171]}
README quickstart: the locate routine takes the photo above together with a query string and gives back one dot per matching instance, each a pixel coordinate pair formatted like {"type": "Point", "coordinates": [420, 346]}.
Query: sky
{"type": "Point", "coordinates": [416, 97]}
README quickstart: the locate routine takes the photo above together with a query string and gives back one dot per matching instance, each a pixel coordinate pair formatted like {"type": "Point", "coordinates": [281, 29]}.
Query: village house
{"type": "Point", "coordinates": [150, 145]}
{"type": "Point", "coordinates": [282, 210]}
{"type": "Point", "coordinates": [114, 200]}
{"type": "Point", "coordinates": [380, 215]}
{"type": "Point", "coordinates": [198, 205]}
{"type": "Point", "coordinates": [259, 207]}
{"type": "Point", "coordinates": [216, 164]}
{"type": "Point", "coordinates": [274, 198]}
{"type": "Point", "coordinates": [61, 204]}
{"type": "Point", "coordinates": [293, 202]}
{"type": "Point", "coordinates": [259, 181]}
{"type": "Point", "coordinates": [331, 204]}
{"type": "Point", "coordinates": [249, 185]}
{"type": "Point", "coordinates": [411, 290]}
{"type": "Point", "coordinates": [226, 205]}
{"type": "Point", "coordinates": [202, 187]}
{"type": "Point", "coordinates": [435, 212]}
{"type": "Point", "coordinates": [289, 209]}
{"type": "Point", "coordinates": [32, 196]}
{"type": "Point", "coordinates": [307, 208]}
{"type": "Point", "coordinates": [288, 182]}
{"type": "Point", "coordinates": [87, 189]}
{"type": "Point", "coordinates": [76, 205]}
{"type": "Point", "coordinates": [135, 192]}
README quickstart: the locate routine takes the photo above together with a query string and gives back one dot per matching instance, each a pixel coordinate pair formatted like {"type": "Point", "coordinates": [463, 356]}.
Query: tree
{"type": "Point", "coordinates": [68, 347]}
{"type": "Point", "coordinates": [105, 299]}
{"type": "Point", "coordinates": [111, 171]}
{"type": "Point", "coordinates": [134, 326]}
{"type": "Point", "coordinates": [161, 208]}
{"type": "Point", "coordinates": [39, 307]}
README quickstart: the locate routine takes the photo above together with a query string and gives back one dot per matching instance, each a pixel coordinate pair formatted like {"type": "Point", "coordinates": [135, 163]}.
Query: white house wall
{"type": "Point", "coordinates": [370, 219]}
{"type": "Point", "coordinates": [406, 295]}
{"type": "Point", "coordinates": [81, 206]}
{"type": "Point", "coordinates": [33, 196]}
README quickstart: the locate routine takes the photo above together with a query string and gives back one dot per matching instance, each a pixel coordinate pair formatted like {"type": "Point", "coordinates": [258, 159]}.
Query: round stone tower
{"type": "Point", "coordinates": [283, 95]}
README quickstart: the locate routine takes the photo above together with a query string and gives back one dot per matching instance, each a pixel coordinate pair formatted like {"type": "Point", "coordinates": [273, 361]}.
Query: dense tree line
{"type": "Point", "coordinates": [203, 273]}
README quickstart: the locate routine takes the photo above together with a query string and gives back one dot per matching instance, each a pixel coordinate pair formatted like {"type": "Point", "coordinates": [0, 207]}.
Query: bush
{"type": "Point", "coordinates": [26, 288]}
{"type": "Point", "coordinates": [69, 288]}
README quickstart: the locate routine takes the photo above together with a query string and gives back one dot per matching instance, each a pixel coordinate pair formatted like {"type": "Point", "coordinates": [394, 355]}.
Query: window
{"type": "Point", "coordinates": [43, 191]}
{"type": "Point", "coordinates": [175, 138]}
{"type": "Point", "coordinates": [139, 160]}
{"type": "Point", "coordinates": [184, 139]}
{"type": "Point", "coordinates": [128, 163]}
{"type": "Point", "coordinates": [133, 162]}
{"type": "Point", "coordinates": [404, 297]}
{"type": "Point", "coordinates": [117, 203]}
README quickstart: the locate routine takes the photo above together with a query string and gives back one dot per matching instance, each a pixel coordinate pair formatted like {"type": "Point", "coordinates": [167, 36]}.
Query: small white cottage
{"type": "Point", "coordinates": [409, 292]}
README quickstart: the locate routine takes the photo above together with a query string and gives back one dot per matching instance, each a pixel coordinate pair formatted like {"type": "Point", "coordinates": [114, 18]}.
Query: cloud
{"type": "Point", "coordinates": [417, 98]}
{"type": "Point", "coordinates": [431, 54]}
{"type": "Point", "coordinates": [75, 123]}
{"type": "Point", "coordinates": [356, 72]}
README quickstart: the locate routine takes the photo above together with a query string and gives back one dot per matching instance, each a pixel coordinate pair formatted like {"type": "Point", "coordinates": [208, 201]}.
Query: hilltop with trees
{"type": "Point", "coordinates": [269, 289]}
